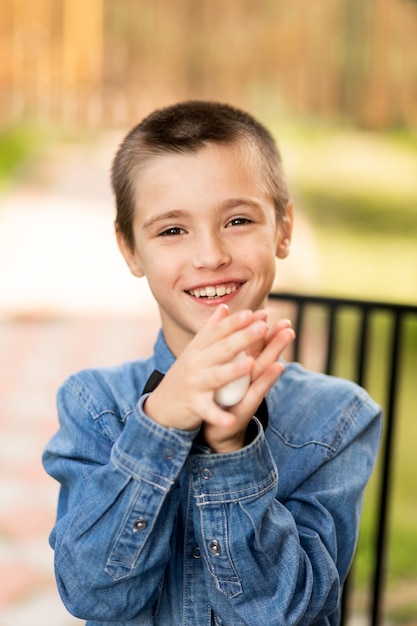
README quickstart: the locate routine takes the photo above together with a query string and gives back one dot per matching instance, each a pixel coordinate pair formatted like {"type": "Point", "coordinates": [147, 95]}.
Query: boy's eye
{"type": "Point", "coordinates": [239, 221]}
{"type": "Point", "coordinates": [172, 231]}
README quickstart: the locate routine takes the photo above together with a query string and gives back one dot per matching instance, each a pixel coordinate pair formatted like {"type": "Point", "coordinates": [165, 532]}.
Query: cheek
{"type": "Point", "coordinates": [266, 254]}
{"type": "Point", "coordinates": [157, 271]}
{"type": "Point", "coordinates": [162, 273]}
{"type": "Point", "coordinates": [269, 266]}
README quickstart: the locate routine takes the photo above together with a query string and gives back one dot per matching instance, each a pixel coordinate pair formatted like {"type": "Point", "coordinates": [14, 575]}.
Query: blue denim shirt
{"type": "Point", "coordinates": [152, 529]}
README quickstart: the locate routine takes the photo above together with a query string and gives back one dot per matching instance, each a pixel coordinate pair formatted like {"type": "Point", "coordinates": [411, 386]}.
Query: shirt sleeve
{"type": "Point", "coordinates": [121, 496]}
{"type": "Point", "coordinates": [282, 560]}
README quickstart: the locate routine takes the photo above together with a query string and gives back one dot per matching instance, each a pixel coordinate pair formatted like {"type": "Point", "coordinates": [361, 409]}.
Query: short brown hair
{"type": "Point", "coordinates": [188, 127]}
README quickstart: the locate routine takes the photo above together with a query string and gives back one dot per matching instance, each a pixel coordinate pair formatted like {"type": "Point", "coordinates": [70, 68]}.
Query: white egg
{"type": "Point", "coordinates": [233, 392]}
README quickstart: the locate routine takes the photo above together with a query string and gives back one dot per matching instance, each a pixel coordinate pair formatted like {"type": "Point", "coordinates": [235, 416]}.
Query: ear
{"type": "Point", "coordinates": [285, 232]}
{"type": "Point", "coordinates": [130, 256]}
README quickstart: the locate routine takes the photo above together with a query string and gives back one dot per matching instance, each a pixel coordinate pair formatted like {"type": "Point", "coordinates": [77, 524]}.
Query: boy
{"type": "Point", "coordinates": [175, 510]}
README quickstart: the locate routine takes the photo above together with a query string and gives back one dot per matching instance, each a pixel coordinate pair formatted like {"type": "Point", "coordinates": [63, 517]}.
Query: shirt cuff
{"type": "Point", "coordinates": [148, 451]}
{"type": "Point", "coordinates": [219, 478]}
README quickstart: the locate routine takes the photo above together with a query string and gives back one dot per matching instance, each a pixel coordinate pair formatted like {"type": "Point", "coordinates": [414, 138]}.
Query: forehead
{"type": "Point", "coordinates": [221, 165]}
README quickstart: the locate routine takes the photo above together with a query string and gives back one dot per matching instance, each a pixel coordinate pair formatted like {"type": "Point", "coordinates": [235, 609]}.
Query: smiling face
{"type": "Point", "coordinates": [205, 233]}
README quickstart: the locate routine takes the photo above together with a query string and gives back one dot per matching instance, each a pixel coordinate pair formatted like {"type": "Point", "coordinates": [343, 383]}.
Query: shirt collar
{"type": "Point", "coordinates": [163, 357]}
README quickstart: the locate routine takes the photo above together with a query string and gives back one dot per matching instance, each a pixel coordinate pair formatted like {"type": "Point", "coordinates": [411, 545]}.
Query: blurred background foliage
{"type": "Point", "coordinates": [335, 80]}
{"type": "Point", "coordinates": [106, 63]}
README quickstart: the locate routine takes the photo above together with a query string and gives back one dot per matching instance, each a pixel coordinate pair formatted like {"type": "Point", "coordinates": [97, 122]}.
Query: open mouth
{"type": "Point", "coordinates": [214, 291]}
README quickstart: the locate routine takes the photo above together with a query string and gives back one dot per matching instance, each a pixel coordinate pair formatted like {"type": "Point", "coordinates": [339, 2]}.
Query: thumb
{"type": "Point", "coordinates": [220, 313]}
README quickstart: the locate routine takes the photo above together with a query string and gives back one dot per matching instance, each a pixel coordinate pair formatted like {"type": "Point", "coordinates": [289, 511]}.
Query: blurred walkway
{"type": "Point", "coordinates": [36, 355]}
{"type": "Point", "coordinates": [67, 301]}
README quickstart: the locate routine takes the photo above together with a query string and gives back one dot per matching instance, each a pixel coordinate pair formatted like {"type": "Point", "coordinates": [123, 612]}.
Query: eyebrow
{"type": "Point", "coordinates": [162, 217]}
{"type": "Point", "coordinates": [235, 202]}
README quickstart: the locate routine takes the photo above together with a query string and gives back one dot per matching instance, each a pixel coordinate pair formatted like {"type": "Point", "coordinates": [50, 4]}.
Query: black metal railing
{"type": "Point", "coordinates": [328, 336]}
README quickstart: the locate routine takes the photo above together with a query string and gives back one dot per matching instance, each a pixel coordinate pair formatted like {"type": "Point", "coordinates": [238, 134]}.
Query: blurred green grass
{"type": "Point", "coordinates": [358, 191]}
{"type": "Point", "coordinates": [18, 144]}
{"type": "Point", "coordinates": [22, 145]}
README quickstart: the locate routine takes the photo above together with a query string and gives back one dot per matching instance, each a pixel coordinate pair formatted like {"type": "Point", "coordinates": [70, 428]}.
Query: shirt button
{"type": "Point", "coordinates": [214, 547]}
{"type": "Point", "coordinates": [206, 473]}
{"type": "Point", "coordinates": [139, 524]}
{"type": "Point", "coordinates": [169, 454]}
{"type": "Point", "coordinates": [197, 553]}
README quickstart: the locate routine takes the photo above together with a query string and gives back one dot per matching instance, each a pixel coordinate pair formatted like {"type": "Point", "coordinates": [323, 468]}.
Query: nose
{"type": "Point", "coordinates": [210, 251]}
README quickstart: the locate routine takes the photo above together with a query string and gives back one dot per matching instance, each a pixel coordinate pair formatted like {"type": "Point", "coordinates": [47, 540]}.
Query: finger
{"type": "Point", "coordinates": [222, 324]}
{"type": "Point", "coordinates": [250, 340]}
{"type": "Point", "coordinates": [279, 339]}
{"type": "Point", "coordinates": [221, 312]}
{"type": "Point", "coordinates": [280, 325]}
{"type": "Point", "coordinates": [263, 383]}
{"type": "Point", "coordinates": [260, 314]}
{"type": "Point", "coordinates": [257, 390]}
{"type": "Point", "coordinates": [223, 341]}
{"type": "Point", "coordinates": [218, 417]}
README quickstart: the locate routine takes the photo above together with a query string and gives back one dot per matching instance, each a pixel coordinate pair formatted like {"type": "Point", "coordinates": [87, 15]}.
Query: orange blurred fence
{"type": "Point", "coordinates": [107, 62]}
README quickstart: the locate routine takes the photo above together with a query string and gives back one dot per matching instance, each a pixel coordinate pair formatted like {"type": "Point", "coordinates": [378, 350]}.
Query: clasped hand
{"type": "Point", "coordinates": [185, 397]}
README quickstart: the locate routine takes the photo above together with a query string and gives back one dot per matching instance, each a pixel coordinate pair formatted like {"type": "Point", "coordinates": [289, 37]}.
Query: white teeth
{"type": "Point", "coordinates": [213, 291]}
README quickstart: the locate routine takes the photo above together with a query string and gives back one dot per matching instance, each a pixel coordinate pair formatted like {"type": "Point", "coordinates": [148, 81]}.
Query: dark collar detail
{"type": "Point", "coordinates": [152, 382]}
{"type": "Point", "coordinates": [262, 414]}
